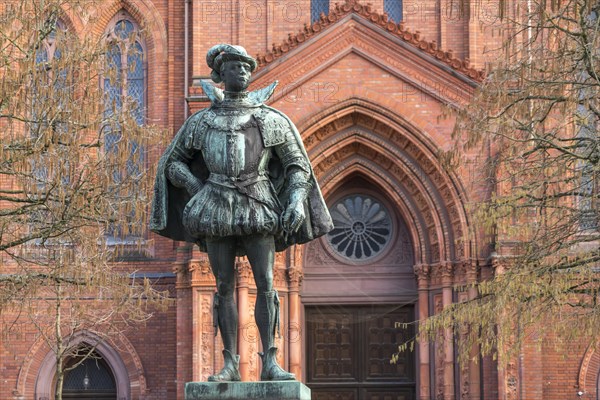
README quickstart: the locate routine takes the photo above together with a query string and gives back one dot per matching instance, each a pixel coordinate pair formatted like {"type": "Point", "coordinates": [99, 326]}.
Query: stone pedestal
{"type": "Point", "coordinates": [283, 390]}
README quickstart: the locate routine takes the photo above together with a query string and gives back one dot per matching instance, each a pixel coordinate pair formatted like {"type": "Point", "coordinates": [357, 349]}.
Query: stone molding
{"type": "Point", "coordinates": [354, 35]}
{"type": "Point", "coordinates": [422, 272]}
{"type": "Point", "coordinates": [244, 271]}
{"type": "Point", "coordinates": [382, 21]}
{"type": "Point", "coordinates": [589, 372]}
{"type": "Point", "coordinates": [439, 351]}
{"type": "Point", "coordinates": [295, 277]}
{"type": "Point", "coordinates": [201, 272]}
{"type": "Point", "coordinates": [429, 203]}
{"type": "Point", "coordinates": [118, 352]}
{"type": "Point", "coordinates": [435, 201]}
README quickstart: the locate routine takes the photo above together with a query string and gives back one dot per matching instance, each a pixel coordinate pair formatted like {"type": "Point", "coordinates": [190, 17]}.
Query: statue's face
{"type": "Point", "coordinates": [235, 75]}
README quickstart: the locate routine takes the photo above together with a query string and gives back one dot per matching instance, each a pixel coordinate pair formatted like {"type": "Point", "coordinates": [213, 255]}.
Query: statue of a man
{"type": "Point", "coordinates": [236, 180]}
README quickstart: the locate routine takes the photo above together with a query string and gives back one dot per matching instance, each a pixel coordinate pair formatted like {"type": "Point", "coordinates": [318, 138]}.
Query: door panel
{"type": "Point", "coordinates": [349, 350]}
{"type": "Point", "coordinates": [382, 340]}
{"type": "Point", "coordinates": [334, 394]}
{"type": "Point", "coordinates": [334, 356]}
{"type": "Point", "coordinates": [389, 394]}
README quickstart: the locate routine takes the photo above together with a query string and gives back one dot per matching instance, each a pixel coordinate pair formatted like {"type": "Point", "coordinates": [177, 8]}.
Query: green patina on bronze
{"type": "Point", "coordinates": [236, 180]}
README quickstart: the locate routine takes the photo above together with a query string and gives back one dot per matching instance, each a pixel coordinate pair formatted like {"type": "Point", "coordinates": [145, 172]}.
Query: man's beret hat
{"type": "Point", "coordinates": [220, 53]}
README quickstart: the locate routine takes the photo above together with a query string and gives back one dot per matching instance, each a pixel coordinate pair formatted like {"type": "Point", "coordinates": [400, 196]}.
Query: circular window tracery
{"type": "Point", "coordinates": [363, 228]}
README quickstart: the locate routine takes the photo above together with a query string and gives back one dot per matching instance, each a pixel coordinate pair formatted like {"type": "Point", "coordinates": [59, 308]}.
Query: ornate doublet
{"type": "Point", "coordinates": [237, 142]}
{"type": "Point", "coordinates": [242, 151]}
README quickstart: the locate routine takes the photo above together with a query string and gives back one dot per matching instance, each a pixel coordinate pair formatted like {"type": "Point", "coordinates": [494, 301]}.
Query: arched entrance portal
{"type": "Point", "coordinates": [359, 288]}
{"type": "Point", "coordinates": [353, 299]}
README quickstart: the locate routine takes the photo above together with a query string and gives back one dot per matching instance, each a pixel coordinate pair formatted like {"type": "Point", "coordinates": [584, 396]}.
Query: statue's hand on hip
{"type": "Point", "coordinates": [180, 176]}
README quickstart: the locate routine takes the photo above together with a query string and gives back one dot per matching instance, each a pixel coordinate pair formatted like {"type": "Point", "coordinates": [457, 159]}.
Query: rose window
{"type": "Point", "coordinates": [363, 228]}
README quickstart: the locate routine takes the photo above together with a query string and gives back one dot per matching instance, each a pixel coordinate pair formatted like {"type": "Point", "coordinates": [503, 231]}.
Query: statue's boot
{"type": "Point", "coordinates": [225, 318]}
{"type": "Point", "coordinates": [271, 371]}
{"type": "Point", "coordinates": [230, 371]}
{"type": "Point", "coordinates": [267, 319]}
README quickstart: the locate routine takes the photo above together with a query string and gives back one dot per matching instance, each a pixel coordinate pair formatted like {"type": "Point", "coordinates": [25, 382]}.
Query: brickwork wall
{"type": "Point", "coordinates": [548, 372]}
{"type": "Point", "coordinates": [561, 367]}
{"type": "Point", "coordinates": [258, 24]}
{"type": "Point", "coordinates": [152, 346]}
{"type": "Point", "coordinates": [153, 343]}
{"type": "Point", "coordinates": [156, 345]}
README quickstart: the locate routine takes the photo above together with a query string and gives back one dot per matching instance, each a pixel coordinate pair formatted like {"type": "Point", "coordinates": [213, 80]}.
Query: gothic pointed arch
{"type": "Point", "coordinates": [125, 86]}
{"type": "Point", "coordinates": [357, 134]}
{"type": "Point", "coordinates": [153, 35]}
{"type": "Point", "coordinates": [75, 18]}
{"type": "Point", "coordinates": [588, 380]}
{"type": "Point", "coordinates": [146, 15]}
{"type": "Point", "coordinates": [127, 54]}
{"type": "Point", "coordinates": [37, 373]}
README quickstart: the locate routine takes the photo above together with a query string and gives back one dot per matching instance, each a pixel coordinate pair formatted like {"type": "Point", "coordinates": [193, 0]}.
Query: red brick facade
{"type": "Point", "coordinates": [368, 97]}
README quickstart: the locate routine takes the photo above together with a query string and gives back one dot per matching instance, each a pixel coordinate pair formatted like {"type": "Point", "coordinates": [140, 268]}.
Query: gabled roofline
{"type": "Point", "coordinates": [381, 20]}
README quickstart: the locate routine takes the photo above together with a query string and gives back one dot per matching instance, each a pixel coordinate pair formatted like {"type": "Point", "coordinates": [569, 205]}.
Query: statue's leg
{"type": "Point", "coordinates": [261, 255]}
{"type": "Point", "coordinates": [221, 254]}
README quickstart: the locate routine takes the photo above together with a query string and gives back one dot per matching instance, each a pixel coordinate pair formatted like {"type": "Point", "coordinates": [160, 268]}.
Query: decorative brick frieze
{"type": "Point", "coordinates": [398, 30]}
{"type": "Point", "coordinates": [201, 272]}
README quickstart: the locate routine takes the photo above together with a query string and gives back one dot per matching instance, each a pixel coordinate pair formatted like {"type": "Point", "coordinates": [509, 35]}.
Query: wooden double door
{"type": "Point", "coordinates": [349, 350]}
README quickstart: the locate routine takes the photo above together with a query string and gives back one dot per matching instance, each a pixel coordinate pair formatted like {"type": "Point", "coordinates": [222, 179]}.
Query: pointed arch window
{"type": "Point", "coordinates": [393, 8]}
{"type": "Point", "coordinates": [589, 194]}
{"type": "Point", "coordinates": [51, 95]}
{"type": "Point", "coordinates": [125, 85]}
{"type": "Point", "coordinates": [91, 378]}
{"type": "Point", "coordinates": [49, 52]}
{"type": "Point", "coordinates": [318, 7]}
{"type": "Point", "coordinates": [588, 198]}
{"type": "Point", "coordinates": [50, 92]}
{"type": "Point", "coordinates": [126, 65]}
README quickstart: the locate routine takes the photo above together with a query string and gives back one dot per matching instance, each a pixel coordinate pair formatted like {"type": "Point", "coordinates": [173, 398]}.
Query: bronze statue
{"type": "Point", "coordinates": [236, 180]}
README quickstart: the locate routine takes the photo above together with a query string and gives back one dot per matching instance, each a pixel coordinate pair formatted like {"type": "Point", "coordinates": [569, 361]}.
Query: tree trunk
{"type": "Point", "coordinates": [60, 373]}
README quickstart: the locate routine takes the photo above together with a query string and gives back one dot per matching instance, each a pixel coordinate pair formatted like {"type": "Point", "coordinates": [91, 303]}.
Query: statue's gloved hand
{"type": "Point", "coordinates": [180, 176]}
{"type": "Point", "coordinates": [193, 186]}
{"type": "Point", "coordinates": [293, 217]}
{"type": "Point", "coordinates": [294, 213]}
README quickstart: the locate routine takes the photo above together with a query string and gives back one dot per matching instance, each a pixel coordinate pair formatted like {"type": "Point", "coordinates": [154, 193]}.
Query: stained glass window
{"type": "Point", "coordinates": [124, 86]}
{"type": "Point", "coordinates": [317, 7]}
{"type": "Point", "coordinates": [393, 8]}
{"type": "Point", "coordinates": [589, 192]}
{"type": "Point", "coordinates": [125, 76]}
{"type": "Point", "coordinates": [51, 80]}
{"type": "Point", "coordinates": [362, 228]}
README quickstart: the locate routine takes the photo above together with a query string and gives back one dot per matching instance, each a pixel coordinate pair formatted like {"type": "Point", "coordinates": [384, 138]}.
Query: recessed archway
{"type": "Point", "coordinates": [403, 161]}
{"type": "Point", "coordinates": [88, 377]}
{"type": "Point", "coordinates": [353, 303]}
{"type": "Point", "coordinates": [44, 385]}
{"type": "Point", "coordinates": [398, 166]}
{"type": "Point", "coordinates": [588, 382]}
